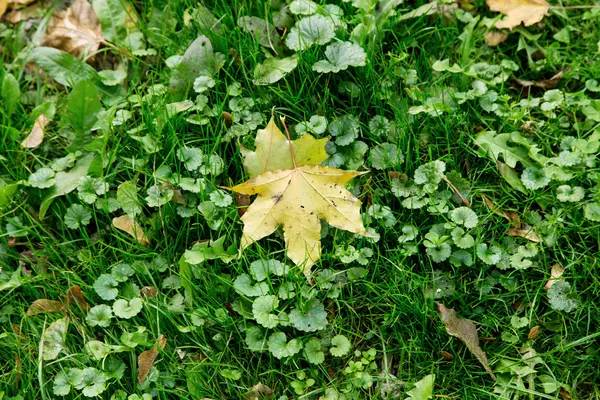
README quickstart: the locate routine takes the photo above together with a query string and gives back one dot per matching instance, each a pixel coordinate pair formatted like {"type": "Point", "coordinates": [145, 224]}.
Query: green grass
{"type": "Point", "coordinates": [387, 309]}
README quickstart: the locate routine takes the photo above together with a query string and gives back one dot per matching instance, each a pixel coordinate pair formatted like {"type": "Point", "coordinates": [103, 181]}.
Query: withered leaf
{"type": "Point", "coordinates": [41, 306]}
{"type": "Point", "coordinates": [75, 297]}
{"type": "Point", "coordinates": [147, 358]}
{"type": "Point", "coordinates": [243, 202]}
{"type": "Point", "coordinates": [555, 273]}
{"type": "Point", "coordinates": [528, 12]}
{"type": "Point", "coordinates": [36, 136]}
{"type": "Point", "coordinates": [525, 232]}
{"type": "Point", "coordinates": [545, 84]}
{"type": "Point", "coordinates": [149, 291]}
{"type": "Point", "coordinates": [256, 390]}
{"type": "Point", "coordinates": [466, 331]}
{"type": "Point", "coordinates": [76, 30]}
{"type": "Point", "coordinates": [128, 224]}
{"type": "Point", "coordinates": [534, 332]}
{"type": "Point", "coordinates": [494, 38]}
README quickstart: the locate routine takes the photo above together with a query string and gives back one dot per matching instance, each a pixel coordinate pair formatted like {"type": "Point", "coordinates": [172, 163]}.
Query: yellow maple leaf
{"type": "Point", "coordinates": [298, 197]}
{"type": "Point", "coordinates": [273, 151]}
{"type": "Point", "coordinates": [528, 12]}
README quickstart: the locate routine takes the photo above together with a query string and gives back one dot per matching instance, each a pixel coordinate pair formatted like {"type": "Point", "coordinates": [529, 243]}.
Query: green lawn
{"type": "Point", "coordinates": [483, 177]}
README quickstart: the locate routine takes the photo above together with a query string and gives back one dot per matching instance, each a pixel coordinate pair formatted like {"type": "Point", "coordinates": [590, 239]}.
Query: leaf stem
{"type": "Point", "coordinates": [458, 193]}
{"type": "Point", "coordinates": [571, 7]}
{"type": "Point", "coordinates": [287, 133]}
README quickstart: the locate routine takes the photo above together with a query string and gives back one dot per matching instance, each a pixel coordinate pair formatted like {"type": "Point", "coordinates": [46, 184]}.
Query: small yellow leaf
{"type": "Point", "coordinates": [494, 38]}
{"type": "Point", "coordinates": [555, 273]}
{"type": "Point", "coordinates": [297, 200]}
{"type": "Point", "coordinates": [36, 136]}
{"type": "Point", "coordinates": [528, 12]}
{"type": "Point", "coordinates": [273, 151]}
{"type": "Point", "coordinates": [128, 224]}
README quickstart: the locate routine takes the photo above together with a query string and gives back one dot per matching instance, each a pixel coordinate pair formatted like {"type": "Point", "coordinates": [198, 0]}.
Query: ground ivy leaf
{"type": "Point", "coordinates": [280, 347]}
{"type": "Point", "coordinates": [43, 178]}
{"type": "Point", "coordinates": [106, 287]}
{"type": "Point", "coordinates": [91, 382]}
{"type": "Point", "coordinates": [340, 56]}
{"type": "Point", "coordinates": [121, 272]}
{"type": "Point", "coordinates": [273, 69]}
{"type": "Point", "coordinates": [561, 297]}
{"type": "Point", "coordinates": [127, 309]}
{"type": "Point", "coordinates": [312, 320]}
{"type": "Point", "coordinates": [464, 216]}
{"type": "Point", "coordinates": [260, 269]}
{"type": "Point", "coordinates": [466, 331]}
{"type": "Point", "coordinates": [273, 151]}
{"type": "Point", "coordinates": [340, 346]}
{"type": "Point", "coordinates": [313, 351]}
{"type": "Point", "coordinates": [309, 31]}
{"type": "Point", "coordinates": [385, 155]}
{"type": "Point", "coordinates": [262, 310]}
{"type": "Point", "coordinates": [128, 199]}
{"type": "Point", "coordinates": [99, 315]}
{"type": "Point", "coordinates": [76, 216]}
{"type": "Point", "coordinates": [303, 7]}
{"type": "Point", "coordinates": [256, 339]}
{"type": "Point", "coordinates": [243, 284]}
{"type": "Point", "coordinates": [53, 339]}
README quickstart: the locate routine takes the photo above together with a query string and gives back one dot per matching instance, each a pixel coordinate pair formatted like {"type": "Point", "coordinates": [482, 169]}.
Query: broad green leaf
{"type": "Point", "coordinates": [339, 56]}
{"type": "Point", "coordinates": [314, 352]}
{"type": "Point", "coordinates": [340, 346]}
{"type": "Point", "coordinates": [280, 347]}
{"type": "Point", "coordinates": [423, 389]}
{"type": "Point", "coordinates": [10, 93]}
{"type": "Point", "coordinates": [198, 59]}
{"type": "Point", "coordinates": [63, 67]}
{"type": "Point", "coordinates": [273, 69]}
{"type": "Point", "coordinates": [511, 177]}
{"type": "Point", "coordinates": [82, 105]}
{"type": "Point", "coordinates": [7, 192]}
{"type": "Point", "coordinates": [310, 31]}
{"type": "Point", "coordinates": [10, 283]}
{"type": "Point", "coordinates": [128, 198]}
{"type": "Point", "coordinates": [262, 31]}
{"type": "Point", "coordinates": [66, 182]}
{"type": "Point", "coordinates": [53, 339]}
{"type": "Point", "coordinates": [114, 18]}
{"type": "Point", "coordinates": [310, 320]}
{"type": "Point", "coordinates": [494, 146]}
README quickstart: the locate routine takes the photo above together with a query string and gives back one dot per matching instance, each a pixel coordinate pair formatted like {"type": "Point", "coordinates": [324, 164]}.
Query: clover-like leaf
{"type": "Point", "coordinates": [42, 178]}
{"type": "Point", "coordinates": [489, 255]}
{"type": "Point", "coordinates": [464, 216]}
{"type": "Point", "coordinates": [99, 315]}
{"type": "Point", "coordinates": [263, 308]}
{"type": "Point", "coordinates": [385, 155]}
{"type": "Point", "coordinates": [127, 309]}
{"type": "Point", "coordinates": [519, 322]}
{"type": "Point", "coordinates": [76, 216]}
{"type": "Point", "coordinates": [280, 347]}
{"type": "Point", "coordinates": [340, 56]}
{"type": "Point", "coordinates": [91, 382]}
{"type": "Point", "coordinates": [309, 31]}
{"type": "Point", "coordinates": [572, 194]}
{"type": "Point", "coordinates": [106, 287]}
{"type": "Point", "coordinates": [313, 351]}
{"type": "Point", "coordinates": [121, 272]}
{"type": "Point", "coordinates": [535, 178]}
{"type": "Point", "coordinates": [561, 297]}
{"type": "Point", "coordinates": [244, 285]}
{"type": "Point", "coordinates": [191, 157]}
{"type": "Point", "coordinates": [340, 346]}
{"type": "Point", "coordinates": [314, 319]}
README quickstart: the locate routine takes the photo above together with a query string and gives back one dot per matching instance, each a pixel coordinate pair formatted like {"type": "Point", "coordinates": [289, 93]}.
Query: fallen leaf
{"type": "Point", "coordinates": [446, 355]}
{"type": "Point", "coordinates": [3, 7]}
{"type": "Point", "coordinates": [76, 30]}
{"type": "Point", "coordinates": [75, 297]}
{"type": "Point", "coordinates": [53, 339]}
{"type": "Point", "coordinates": [36, 136]}
{"type": "Point", "coordinates": [296, 195]}
{"type": "Point", "coordinates": [494, 38]}
{"type": "Point", "coordinates": [41, 306]}
{"type": "Point", "coordinates": [147, 358]}
{"type": "Point", "coordinates": [256, 390]}
{"type": "Point", "coordinates": [148, 292]}
{"type": "Point", "coordinates": [128, 224]}
{"type": "Point", "coordinates": [534, 332]}
{"type": "Point", "coordinates": [545, 84]}
{"type": "Point", "coordinates": [555, 273]}
{"type": "Point", "coordinates": [528, 12]}
{"type": "Point", "coordinates": [466, 331]}
{"type": "Point", "coordinates": [242, 201]}
{"type": "Point", "coordinates": [510, 216]}
{"type": "Point", "coordinates": [36, 10]}
{"type": "Point", "coordinates": [525, 232]}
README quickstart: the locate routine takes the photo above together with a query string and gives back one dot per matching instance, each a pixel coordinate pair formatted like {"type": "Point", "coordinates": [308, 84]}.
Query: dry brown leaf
{"type": "Point", "coordinates": [446, 355]}
{"type": "Point", "coordinates": [242, 201]}
{"type": "Point", "coordinates": [36, 10]}
{"type": "Point", "coordinates": [545, 84]}
{"type": "Point", "coordinates": [528, 12]}
{"type": "Point", "coordinates": [525, 232]}
{"type": "Point", "coordinates": [147, 358]}
{"type": "Point", "coordinates": [494, 38]}
{"type": "Point", "coordinates": [3, 7]}
{"type": "Point", "coordinates": [466, 331]}
{"type": "Point", "coordinates": [36, 136]}
{"type": "Point", "coordinates": [75, 297]}
{"type": "Point", "coordinates": [555, 273]}
{"type": "Point", "coordinates": [534, 332]}
{"type": "Point", "coordinates": [148, 292]}
{"type": "Point", "coordinates": [510, 216]}
{"type": "Point", "coordinates": [76, 30]}
{"type": "Point", "coordinates": [45, 306]}
{"type": "Point", "coordinates": [256, 390]}
{"type": "Point", "coordinates": [128, 224]}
